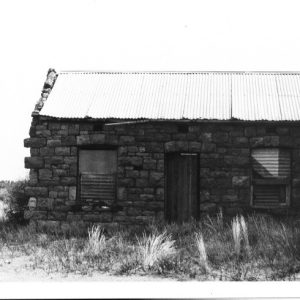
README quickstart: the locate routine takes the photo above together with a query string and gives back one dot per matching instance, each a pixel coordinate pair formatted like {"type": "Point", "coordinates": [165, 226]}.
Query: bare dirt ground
{"type": "Point", "coordinates": [18, 269]}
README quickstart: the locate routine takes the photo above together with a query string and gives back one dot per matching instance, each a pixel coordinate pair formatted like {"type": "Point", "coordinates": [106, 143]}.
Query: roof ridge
{"type": "Point", "coordinates": [175, 72]}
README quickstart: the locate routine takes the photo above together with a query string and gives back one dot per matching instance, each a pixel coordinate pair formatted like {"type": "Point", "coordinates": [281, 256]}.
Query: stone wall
{"type": "Point", "coordinates": [224, 150]}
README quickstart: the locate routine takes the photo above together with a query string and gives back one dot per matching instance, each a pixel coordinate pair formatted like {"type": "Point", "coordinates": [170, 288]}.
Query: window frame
{"type": "Point", "coordinates": [271, 181]}
{"type": "Point", "coordinates": [94, 147]}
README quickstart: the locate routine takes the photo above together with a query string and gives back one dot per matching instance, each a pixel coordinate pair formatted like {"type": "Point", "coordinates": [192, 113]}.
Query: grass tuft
{"type": "Point", "coordinates": [155, 248]}
{"type": "Point", "coordinates": [96, 240]}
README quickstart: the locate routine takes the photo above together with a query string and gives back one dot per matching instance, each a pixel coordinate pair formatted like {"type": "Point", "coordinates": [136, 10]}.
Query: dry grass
{"type": "Point", "coordinates": [216, 248]}
{"type": "Point", "coordinates": [155, 248]}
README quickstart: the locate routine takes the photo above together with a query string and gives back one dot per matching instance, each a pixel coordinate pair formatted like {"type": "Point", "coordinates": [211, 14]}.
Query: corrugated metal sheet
{"type": "Point", "coordinates": [176, 95]}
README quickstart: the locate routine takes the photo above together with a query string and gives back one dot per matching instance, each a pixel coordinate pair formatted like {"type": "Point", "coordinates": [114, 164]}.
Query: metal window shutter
{"type": "Point", "coordinates": [269, 195]}
{"type": "Point", "coordinates": [269, 166]}
{"type": "Point", "coordinates": [97, 169]}
{"type": "Point", "coordinates": [98, 187]}
{"type": "Point", "coordinates": [271, 163]}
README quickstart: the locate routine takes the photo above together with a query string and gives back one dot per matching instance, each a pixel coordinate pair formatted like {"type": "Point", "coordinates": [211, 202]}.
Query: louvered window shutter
{"type": "Point", "coordinates": [271, 170]}
{"type": "Point", "coordinates": [97, 169]}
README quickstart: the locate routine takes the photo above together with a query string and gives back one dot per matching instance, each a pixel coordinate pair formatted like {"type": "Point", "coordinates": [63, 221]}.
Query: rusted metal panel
{"type": "Point", "coordinates": [249, 96]}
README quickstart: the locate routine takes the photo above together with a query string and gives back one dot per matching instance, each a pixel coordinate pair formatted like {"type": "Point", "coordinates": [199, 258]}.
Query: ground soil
{"type": "Point", "coordinates": [18, 269]}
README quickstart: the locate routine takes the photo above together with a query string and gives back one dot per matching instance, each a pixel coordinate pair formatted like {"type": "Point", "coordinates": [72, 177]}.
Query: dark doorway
{"type": "Point", "coordinates": [182, 183]}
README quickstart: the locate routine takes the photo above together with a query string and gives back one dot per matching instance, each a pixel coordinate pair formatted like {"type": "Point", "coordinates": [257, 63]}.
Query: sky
{"type": "Point", "coordinates": [166, 35]}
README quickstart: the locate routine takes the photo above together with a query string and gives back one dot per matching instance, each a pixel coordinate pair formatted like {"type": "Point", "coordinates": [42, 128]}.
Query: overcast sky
{"type": "Point", "coordinates": [131, 35]}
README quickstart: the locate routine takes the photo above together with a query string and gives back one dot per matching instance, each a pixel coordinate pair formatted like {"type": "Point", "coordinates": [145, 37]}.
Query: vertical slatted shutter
{"type": "Point", "coordinates": [271, 173]}
{"type": "Point", "coordinates": [97, 170]}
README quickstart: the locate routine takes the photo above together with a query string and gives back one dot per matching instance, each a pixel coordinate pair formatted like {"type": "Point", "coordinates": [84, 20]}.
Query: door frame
{"type": "Point", "coordinates": [166, 212]}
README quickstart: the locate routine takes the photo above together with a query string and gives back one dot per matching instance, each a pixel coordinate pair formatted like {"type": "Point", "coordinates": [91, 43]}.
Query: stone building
{"type": "Point", "coordinates": [124, 147]}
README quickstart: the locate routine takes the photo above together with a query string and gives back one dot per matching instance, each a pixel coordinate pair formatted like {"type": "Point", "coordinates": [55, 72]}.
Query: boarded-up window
{"type": "Point", "coordinates": [97, 170]}
{"type": "Point", "coordinates": [271, 169]}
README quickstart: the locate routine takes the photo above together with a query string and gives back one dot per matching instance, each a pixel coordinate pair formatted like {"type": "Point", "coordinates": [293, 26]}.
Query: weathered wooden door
{"type": "Point", "coordinates": [182, 183]}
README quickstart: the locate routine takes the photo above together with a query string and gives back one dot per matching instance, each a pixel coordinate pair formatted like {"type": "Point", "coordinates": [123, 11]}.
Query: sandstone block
{"type": "Point", "coordinates": [122, 150]}
{"type": "Point", "coordinates": [195, 146]}
{"type": "Point", "coordinates": [208, 207]}
{"type": "Point", "coordinates": [72, 193]}
{"type": "Point", "coordinates": [57, 215]}
{"type": "Point", "coordinates": [182, 146]}
{"type": "Point", "coordinates": [45, 151]}
{"type": "Point", "coordinates": [240, 181]}
{"type": "Point", "coordinates": [220, 137]}
{"type": "Point", "coordinates": [125, 139]}
{"type": "Point", "coordinates": [74, 217]}
{"type": "Point", "coordinates": [250, 131]}
{"type": "Point", "coordinates": [122, 194]}
{"type": "Point", "coordinates": [60, 172]}
{"type": "Point", "coordinates": [155, 176]}
{"type": "Point", "coordinates": [54, 125]}
{"type": "Point", "coordinates": [102, 217]}
{"type": "Point", "coordinates": [208, 147]}
{"type": "Point", "coordinates": [62, 150]}
{"type": "Point", "coordinates": [68, 140]}
{"type": "Point", "coordinates": [54, 160]}
{"type": "Point", "coordinates": [257, 142]}
{"type": "Point", "coordinates": [170, 146]}
{"type": "Point", "coordinates": [68, 180]}
{"type": "Point", "coordinates": [229, 198]}
{"type": "Point", "coordinates": [83, 140]}
{"type": "Point", "coordinates": [34, 151]}
{"type": "Point", "coordinates": [73, 129]}
{"type": "Point", "coordinates": [34, 162]}
{"type": "Point", "coordinates": [271, 141]}
{"type": "Point", "coordinates": [45, 174]}
{"type": "Point", "coordinates": [97, 138]}
{"type": "Point", "coordinates": [296, 182]}
{"type": "Point", "coordinates": [38, 215]}
{"type": "Point", "coordinates": [43, 133]}
{"type": "Point", "coordinates": [34, 142]}
{"type": "Point", "coordinates": [146, 197]}
{"type": "Point", "coordinates": [53, 142]}
{"type": "Point", "coordinates": [283, 130]}
{"type": "Point", "coordinates": [143, 182]}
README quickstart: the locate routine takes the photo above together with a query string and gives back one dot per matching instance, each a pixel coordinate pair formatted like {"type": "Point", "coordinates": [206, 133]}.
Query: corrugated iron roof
{"type": "Point", "coordinates": [273, 96]}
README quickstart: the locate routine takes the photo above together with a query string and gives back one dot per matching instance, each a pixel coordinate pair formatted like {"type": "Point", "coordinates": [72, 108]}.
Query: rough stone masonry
{"type": "Point", "coordinates": [225, 169]}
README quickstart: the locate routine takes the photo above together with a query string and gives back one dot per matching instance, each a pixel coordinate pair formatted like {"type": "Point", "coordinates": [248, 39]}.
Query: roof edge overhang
{"type": "Point", "coordinates": [144, 120]}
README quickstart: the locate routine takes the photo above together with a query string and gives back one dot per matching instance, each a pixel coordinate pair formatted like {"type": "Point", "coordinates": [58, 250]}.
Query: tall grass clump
{"type": "Point", "coordinates": [240, 235]}
{"type": "Point", "coordinates": [236, 232]}
{"type": "Point", "coordinates": [203, 261]}
{"type": "Point", "coordinates": [155, 248]}
{"type": "Point", "coordinates": [96, 241]}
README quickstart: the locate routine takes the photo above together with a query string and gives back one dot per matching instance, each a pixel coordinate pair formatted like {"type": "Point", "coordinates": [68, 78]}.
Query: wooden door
{"type": "Point", "coordinates": [182, 183]}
